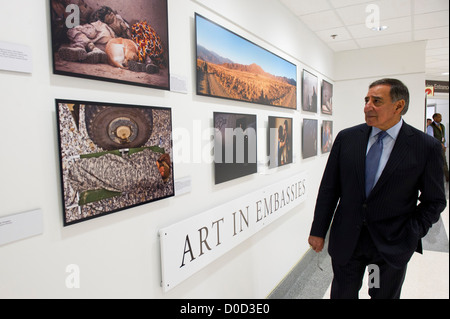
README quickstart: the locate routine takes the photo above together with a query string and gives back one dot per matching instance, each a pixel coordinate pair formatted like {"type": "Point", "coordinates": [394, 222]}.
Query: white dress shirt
{"type": "Point", "coordinates": [388, 145]}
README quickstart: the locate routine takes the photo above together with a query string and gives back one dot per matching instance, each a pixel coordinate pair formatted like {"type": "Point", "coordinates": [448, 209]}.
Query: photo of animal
{"type": "Point", "coordinates": [119, 51]}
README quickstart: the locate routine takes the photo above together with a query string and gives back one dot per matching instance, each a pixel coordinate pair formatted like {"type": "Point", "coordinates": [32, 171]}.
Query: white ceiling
{"type": "Point", "coordinates": [407, 20]}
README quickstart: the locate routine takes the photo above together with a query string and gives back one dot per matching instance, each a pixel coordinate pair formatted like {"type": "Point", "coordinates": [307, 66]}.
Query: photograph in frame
{"type": "Point", "coordinates": [231, 67]}
{"type": "Point", "coordinates": [112, 157]}
{"type": "Point", "coordinates": [234, 146]}
{"type": "Point", "coordinates": [110, 40]}
{"type": "Point", "coordinates": [309, 92]}
{"type": "Point", "coordinates": [327, 136]}
{"type": "Point", "coordinates": [327, 98]}
{"type": "Point", "coordinates": [309, 138]}
{"type": "Point", "coordinates": [279, 141]}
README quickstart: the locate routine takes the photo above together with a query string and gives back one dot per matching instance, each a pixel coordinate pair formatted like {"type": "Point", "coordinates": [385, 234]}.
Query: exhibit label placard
{"type": "Point", "coordinates": [15, 57]}
{"type": "Point", "coordinates": [192, 244]}
{"type": "Point", "coordinates": [19, 226]}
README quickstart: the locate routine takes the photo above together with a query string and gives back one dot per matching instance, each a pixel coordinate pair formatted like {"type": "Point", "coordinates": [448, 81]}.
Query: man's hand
{"type": "Point", "coordinates": [316, 243]}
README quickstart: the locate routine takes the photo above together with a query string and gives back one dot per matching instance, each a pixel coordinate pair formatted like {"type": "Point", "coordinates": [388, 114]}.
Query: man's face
{"type": "Point", "coordinates": [438, 118]}
{"type": "Point", "coordinates": [379, 109]}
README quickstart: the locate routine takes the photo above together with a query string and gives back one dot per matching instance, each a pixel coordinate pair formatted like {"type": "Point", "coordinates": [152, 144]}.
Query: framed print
{"type": "Point", "coordinates": [309, 138]}
{"type": "Point", "coordinates": [327, 97]}
{"type": "Point", "coordinates": [280, 141]}
{"type": "Point", "coordinates": [117, 41]}
{"type": "Point", "coordinates": [327, 136]}
{"type": "Point", "coordinates": [309, 92]}
{"type": "Point", "coordinates": [112, 157]}
{"type": "Point", "coordinates": [234, 146]}
{"type": "Point", "coordinates": [231, 67]}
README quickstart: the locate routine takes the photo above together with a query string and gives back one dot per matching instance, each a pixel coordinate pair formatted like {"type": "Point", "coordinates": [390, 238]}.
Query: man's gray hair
{"type": "Point", "coordinates": [398, 92]}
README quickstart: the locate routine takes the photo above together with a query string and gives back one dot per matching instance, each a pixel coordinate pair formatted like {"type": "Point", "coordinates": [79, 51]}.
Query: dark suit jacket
{"type": "Point", "coordinates": [407, 199]}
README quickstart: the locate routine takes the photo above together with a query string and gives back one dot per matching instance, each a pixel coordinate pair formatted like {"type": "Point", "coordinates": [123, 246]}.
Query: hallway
{"type": "Point", "coordinates": [427, 276]}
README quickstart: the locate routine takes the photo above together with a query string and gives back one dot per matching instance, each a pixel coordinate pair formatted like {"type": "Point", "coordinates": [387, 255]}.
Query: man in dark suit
{"type": "Point", "coordinates": [380, 222]}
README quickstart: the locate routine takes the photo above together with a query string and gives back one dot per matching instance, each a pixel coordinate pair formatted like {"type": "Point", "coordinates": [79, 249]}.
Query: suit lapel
{"type": "Point", "coordinates": [361, 148]}
{"type": "Point", "coordinates": [397, 156]}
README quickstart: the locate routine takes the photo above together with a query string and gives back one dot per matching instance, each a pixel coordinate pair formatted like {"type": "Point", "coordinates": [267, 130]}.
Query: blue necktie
{"type": "Point", "coordinates": [373, 161]}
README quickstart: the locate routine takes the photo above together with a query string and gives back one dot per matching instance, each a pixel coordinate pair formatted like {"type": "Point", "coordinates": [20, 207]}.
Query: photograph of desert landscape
{"type": "Point", "coordinates": [231, 67]}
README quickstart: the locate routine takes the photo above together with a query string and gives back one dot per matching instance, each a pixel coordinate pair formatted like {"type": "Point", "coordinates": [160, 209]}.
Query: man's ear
{"type": "Point", "coordinates": [400, 104]}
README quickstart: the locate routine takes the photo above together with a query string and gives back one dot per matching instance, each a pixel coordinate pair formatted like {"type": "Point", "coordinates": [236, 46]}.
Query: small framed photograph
{"type": "Point", "coordinates": [309, 92]}
{"type": "Point", "coordinates": [280, 141]}
{"type": "Point", "coordinates": [112, 157]}
{"type": "Point", "coordinates": [309, 138]}
{"type": "Point", "coordinates": [327, 136]}
{"type": "Point", "coordinates": [327, 97]}
{"type": "Point", "coordinates": [234, 146]}
{"type": "Point", "coordinates": [116, 41]}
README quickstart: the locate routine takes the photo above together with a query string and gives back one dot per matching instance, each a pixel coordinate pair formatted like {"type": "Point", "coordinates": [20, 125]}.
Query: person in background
{"type": "Point", "coordinates": [382, 189]}
{"type": "Point", "coordinates": [437, 130]}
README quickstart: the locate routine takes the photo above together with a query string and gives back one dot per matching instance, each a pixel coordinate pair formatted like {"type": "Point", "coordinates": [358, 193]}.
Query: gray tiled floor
{"type": "Point", "coordinates": [309, 279]}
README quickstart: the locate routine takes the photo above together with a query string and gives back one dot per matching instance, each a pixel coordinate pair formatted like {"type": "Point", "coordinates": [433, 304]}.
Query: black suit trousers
{"type": "Point", "coordinates": [385, 281]}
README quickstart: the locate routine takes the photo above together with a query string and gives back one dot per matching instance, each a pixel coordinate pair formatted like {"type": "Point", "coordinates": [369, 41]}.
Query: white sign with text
{"type": "Point", "coordinates": [19, 226]}
{"type": "Point", "coordinates": [192, 244]}
{"type": "Point", "coordinates": [15, 57]}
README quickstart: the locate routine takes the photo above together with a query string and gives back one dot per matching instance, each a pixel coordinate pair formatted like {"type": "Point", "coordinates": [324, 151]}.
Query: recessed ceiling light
{"type": "Point", "coordinates": [445, 73]}
{"type": "Point", "coordinates": [380, 28]}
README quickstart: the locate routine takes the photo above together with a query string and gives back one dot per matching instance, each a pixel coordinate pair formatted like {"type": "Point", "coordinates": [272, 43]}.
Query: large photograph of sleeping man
{"type": "Point", "coordinates": [112, 40]}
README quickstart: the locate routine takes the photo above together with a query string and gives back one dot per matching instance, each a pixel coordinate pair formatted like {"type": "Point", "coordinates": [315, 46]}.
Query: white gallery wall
{"type": "Point", "coordinates": [118, 255]}
{"type": "Point", "coordinates": [356, 69]}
